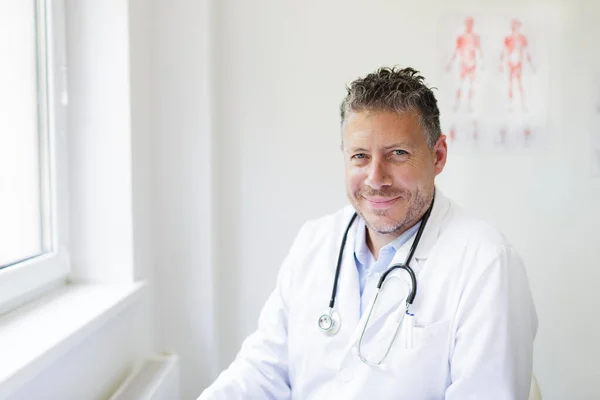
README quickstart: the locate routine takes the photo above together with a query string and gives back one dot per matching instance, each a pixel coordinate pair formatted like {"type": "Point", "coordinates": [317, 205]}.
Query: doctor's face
{"type": "Point", "coordinates": [389, 168]}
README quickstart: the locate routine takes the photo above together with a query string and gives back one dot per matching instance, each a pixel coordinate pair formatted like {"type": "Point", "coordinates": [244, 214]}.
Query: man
{"type": "Point", "coordinates": [469, 332]}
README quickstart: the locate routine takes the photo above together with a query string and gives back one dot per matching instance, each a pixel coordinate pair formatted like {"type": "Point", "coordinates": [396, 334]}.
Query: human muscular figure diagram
{"type": "Point", "coordinates": [468, 52]}
{"type": "Point", "coordinates": [514, 53]}
{"type": "Point", "coordinates": [474, 132]}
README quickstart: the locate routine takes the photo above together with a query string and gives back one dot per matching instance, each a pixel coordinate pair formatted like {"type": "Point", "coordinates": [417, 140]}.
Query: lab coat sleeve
{"type": "Point", "coordinates": [260, 370]}
{"type": "Point", "coordinates": [495, 328]}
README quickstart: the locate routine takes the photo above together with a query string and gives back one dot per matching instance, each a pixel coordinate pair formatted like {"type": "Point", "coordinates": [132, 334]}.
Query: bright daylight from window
{"type": "Point", "coordinates": [23, 137]}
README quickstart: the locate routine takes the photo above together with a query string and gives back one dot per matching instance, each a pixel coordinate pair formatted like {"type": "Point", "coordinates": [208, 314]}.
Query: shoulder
{"type": "Point", "coordinates": [318, 230]}
{"type": "Point", "coordinates": [472, 237]}
{"type": "Point", "coordinates": [316, 242]}
{"type": "Point", "coordinates": [467, 227]}
{"type": "Point", "coordinates": [469, 250]}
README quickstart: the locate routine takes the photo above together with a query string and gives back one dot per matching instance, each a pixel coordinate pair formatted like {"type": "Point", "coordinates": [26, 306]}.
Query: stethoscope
{"type": "Point", "coordinates": [330, 321]}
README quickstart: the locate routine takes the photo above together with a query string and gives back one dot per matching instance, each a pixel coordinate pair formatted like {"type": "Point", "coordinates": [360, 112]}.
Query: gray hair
{"type": "Point", "coordinates": [397, 90]}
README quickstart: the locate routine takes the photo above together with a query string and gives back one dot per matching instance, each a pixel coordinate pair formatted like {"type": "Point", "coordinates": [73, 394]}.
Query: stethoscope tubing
{"type": "Point", "coordinates": [406, 265]}
{"type": "Point", "coordinates": [339, 261]}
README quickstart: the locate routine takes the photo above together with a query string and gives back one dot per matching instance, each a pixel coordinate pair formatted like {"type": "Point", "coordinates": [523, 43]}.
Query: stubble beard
{"type": "Point", "coordinates": [418, 202]}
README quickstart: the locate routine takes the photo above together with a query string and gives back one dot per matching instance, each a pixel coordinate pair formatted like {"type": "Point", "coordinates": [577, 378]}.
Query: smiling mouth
{"type": "Point", "coordinates": [381, 203]}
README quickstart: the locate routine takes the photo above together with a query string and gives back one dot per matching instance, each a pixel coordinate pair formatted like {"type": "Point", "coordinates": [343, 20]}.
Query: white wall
{"type": "Point", "coordinates": [100, 144]}
{"type": "Point", "coordinates": [182, 188]}
{"type": "Point", "coordinates": [279, 72]}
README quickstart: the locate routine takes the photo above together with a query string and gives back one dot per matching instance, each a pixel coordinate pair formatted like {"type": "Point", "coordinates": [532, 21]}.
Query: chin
{"type": "Point", "coordinates": [379, 222]}
{"type": "Point", "coordinates": [383, 227]}
{"type": "Point", "coordinates": [384, 220]}
{"type": "Point", "coordinates": [391, 214]}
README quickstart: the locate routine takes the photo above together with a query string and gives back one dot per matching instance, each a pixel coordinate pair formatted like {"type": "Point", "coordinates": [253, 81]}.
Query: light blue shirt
{"type": "Point", "coordinates": [370, 269]}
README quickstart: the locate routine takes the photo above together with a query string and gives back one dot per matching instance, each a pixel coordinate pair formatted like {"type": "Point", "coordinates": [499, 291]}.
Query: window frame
{"type": "Point", "coordinates": [27, 279]}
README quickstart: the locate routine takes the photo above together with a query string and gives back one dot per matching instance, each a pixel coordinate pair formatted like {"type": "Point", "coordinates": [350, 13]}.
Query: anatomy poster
{"type": "Point", "coordinates": [493, 82]}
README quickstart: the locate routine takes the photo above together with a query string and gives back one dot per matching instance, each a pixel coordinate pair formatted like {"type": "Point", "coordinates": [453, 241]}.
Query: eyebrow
{"type": "Point", "coordinates": [399, 144]}
{"type": "Point", "coordinates": [355, 149]}
{"type": "Point", "coordinates": [389, 147]}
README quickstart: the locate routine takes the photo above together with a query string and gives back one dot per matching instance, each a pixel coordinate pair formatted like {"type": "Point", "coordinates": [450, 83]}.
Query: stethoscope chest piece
{"type": "Point", "coordinates": [329, 322]}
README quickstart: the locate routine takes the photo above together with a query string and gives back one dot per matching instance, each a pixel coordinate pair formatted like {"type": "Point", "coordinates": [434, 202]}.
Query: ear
{"type": "Point", "coordinates": [440, 152]}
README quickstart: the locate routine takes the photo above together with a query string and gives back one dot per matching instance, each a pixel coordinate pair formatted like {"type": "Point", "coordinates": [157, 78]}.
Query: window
{"type": "Point", "coordinates": [23, 144]}
{"type": "Point", "coordinates": [33, 233]}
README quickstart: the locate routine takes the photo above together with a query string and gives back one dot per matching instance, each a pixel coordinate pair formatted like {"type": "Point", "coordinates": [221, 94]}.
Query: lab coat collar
{"type": "Point", "coordinates": [441, 206]}
{"type": "Point", "coordinates": [361, 250]}
{"type": "Point", "coordinates": [348, 295]}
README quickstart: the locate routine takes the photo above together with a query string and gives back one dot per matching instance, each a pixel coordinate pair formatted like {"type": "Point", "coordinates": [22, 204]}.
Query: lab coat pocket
{"type": "Point", "coordinates": [421, 350]}
{"type": "Point", "coordinates": [436, 334]}
{"type": "Point", "coordinates": [417, 369]}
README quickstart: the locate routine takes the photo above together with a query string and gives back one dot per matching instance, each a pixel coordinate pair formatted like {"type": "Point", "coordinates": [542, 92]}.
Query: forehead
{"type": "Point", "coordinates": [383, 126]}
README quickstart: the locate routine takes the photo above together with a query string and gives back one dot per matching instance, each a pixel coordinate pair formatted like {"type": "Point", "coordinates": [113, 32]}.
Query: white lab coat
{"type": "Point", "coordinates": [474, 322]}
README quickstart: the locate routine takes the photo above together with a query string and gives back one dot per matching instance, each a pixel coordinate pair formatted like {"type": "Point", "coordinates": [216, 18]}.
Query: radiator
{"type": "Point", "coordinates": [155, 378]}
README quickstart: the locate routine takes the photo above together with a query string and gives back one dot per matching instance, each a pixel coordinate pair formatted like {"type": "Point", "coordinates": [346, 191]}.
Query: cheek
{"type": "Point", "coordinates": [355, 178]}
{"type": "Point", "coordinates": [400, 178]}
{"type": "Point", "coordinates": [409, 177]}
{"type": "Point", "coordinates": [407, 181]}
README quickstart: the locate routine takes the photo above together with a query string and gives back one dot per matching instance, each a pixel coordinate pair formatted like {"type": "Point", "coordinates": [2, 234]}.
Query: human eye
{"type": "Point", "coordinates": [399, 152]}
{"type": "Point", "coordinates": [359, 159]}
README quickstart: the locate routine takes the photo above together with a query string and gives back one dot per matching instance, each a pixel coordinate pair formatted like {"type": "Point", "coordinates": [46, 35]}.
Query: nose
{"type": "Point", "coordinates": [378, 175]}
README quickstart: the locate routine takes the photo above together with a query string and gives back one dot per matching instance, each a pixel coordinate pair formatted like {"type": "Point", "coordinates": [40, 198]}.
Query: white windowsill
{"type": "Point", "coordinates": [33, 336]}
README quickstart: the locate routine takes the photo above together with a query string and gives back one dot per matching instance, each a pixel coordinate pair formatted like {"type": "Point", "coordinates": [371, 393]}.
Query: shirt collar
{"type": "Point", "coordinates": [361, 250]}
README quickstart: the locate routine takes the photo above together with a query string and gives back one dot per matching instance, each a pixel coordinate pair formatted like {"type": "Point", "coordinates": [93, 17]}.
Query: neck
{"type": "Point", "coordinates": [375, 240]}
